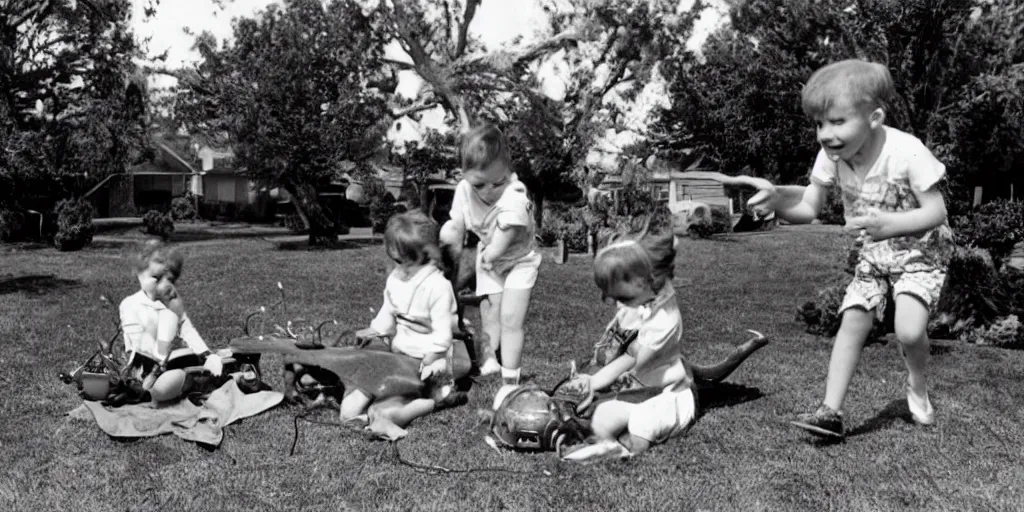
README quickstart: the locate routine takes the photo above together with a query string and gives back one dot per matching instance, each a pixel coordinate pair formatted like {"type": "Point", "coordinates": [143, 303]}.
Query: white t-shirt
{"type": "Point", "coordinates": [513, 208]}
{"type": "Point", "coordinates": [904, 163]}
{"type": "Point", "coordinates": [426, 296]}
{"type": "Point", "coordinates": [139, 318]}
{"type": "Point", "coordinates": [657, 326]}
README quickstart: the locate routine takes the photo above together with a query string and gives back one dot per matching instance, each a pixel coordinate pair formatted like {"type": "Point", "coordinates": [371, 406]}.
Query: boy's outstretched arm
{"type": "Point", "coordinates": [793, 203]}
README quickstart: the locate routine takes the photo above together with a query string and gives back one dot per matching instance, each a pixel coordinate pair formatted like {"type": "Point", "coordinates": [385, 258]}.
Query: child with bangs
{"type": "Point", "coordinates": [889, 183]}
{"type": "Point", "coordinates": [641, 350]}
{"type": "Point", "coordinates": [154, 322]}
{"type": "Point", "coordinates": [417, 319]}
{"type": "Point", "coordinates": [491, 202]}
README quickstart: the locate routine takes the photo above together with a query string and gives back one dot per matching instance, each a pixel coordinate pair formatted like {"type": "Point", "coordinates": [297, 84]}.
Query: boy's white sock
{"type": "Point", "coordinates": [510, 376]}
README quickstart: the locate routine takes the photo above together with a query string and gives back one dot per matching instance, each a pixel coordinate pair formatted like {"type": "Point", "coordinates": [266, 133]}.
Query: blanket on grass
{"type": "Point", "coordinates": [200, 423]}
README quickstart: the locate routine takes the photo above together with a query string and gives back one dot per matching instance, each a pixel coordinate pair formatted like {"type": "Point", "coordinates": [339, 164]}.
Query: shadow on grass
{"type": "Point", "coordinates": [897, 410]}
{"type": "Point", "coordinates": [724, 394]}
{"type": "Point", "coordinates": [340, 245]}
{"type": "Point", "coordinates": [34, 283]}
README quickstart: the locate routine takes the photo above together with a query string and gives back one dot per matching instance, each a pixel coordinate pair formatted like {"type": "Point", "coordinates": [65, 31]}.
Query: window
{"type": "Point", "coordinates": [682, 194]}
{"type": "Point", "coordinates": [660, 191]}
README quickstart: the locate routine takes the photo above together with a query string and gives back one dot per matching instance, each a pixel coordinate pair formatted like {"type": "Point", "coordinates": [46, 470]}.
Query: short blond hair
{"type": "Point", "coordinates": [155, 251]}
{"type": "Point", "coordinates": [644, 254]}
{"type": "Point", "coordinates": [482, 146]}
{"type": "Point", "coordinates": [865, 84]}
{"type": "Point", "coordinates": [412, 238]}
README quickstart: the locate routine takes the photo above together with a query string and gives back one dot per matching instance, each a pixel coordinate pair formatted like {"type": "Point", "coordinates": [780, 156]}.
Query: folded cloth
{"type": "Point", "coordinates": [200, 423]}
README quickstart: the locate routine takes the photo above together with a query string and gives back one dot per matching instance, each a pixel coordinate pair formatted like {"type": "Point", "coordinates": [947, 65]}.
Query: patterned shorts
{"type": "Point", "coordinates": [869, 291]}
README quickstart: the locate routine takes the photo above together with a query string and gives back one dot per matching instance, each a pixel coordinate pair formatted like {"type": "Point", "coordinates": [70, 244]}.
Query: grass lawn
{"type": "Point", "coordinates": [741, 455]}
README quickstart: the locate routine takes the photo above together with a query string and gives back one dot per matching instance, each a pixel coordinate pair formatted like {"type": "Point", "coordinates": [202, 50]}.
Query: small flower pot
{"type": "Point", "coordinates": [561, 252]}
{"type": "Point", "coordinates": [95, 386]}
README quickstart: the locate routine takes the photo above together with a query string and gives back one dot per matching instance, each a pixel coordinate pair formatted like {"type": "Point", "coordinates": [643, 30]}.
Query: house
{"type": "Point", "coordinates": [181, 165]}
{"type": "Point", "coordinates": [680, 188]}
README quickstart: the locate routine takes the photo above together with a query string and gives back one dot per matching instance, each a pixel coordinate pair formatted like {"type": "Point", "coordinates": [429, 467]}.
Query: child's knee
{"type": "Point", "coordinates": [911, 334]}
{"type": "Point", "coordinates": [355, 403]}
{"type": "Point", "coordinates": [168, 386]}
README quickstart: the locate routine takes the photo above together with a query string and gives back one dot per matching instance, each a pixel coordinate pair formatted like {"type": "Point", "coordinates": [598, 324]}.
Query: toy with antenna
{"type": "Point", "coordinates": [303, 334]}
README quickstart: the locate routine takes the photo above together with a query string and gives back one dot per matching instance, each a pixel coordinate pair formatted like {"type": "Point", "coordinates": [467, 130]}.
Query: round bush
{"type": "Point", "coordinates": [157, 224]}
{"type": "Point", "coordinates": [74, 225]}
{"type": "Point", "coordinates": [996, 226]}
{"type": "Point", "coordinates": [183, 208]}
{"type": "Point", "coordinates": [12, 226]}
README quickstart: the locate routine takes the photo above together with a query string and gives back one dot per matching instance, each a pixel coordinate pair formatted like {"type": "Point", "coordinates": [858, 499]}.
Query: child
{"type": "Point", "coordinates": [417, 317]}
{"type": "Point", "coordinates": [491, 202]}
{"type": "Point", "coordinates": [640, 352]}
{"type": "Point", "coordinates": [890, 196]}
{"type": "Point", "coordinates": [154, 318]}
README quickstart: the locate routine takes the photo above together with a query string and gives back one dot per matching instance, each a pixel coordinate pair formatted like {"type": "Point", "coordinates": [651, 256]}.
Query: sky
{"type": "Point", "coordinates": [497, 22]}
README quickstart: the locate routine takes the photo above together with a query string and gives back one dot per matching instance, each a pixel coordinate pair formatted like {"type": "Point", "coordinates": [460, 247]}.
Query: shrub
{"type": "Point", "coordinates": [293, 221]}
{"type": "Point", "coordinates": [996, 226]}
{"type": "Point", "coordinates": [568, 223]}
{"type": "Point", "coordinates": [547, 235]}
{"type": "Point", "coordinates": [1006, 332]}
{"type": "Point", "coordinates": [12, 226]}
{"type": "Point", "coordinates": [721, 222]}
{"type": "Point", "coordinates": [821, 317]}
{"type": "Point", "coordinates": [382, 208]}
{"type": "Point", "coordinates": [183, 208]}
{"type": "Point", "coordinates": [974, 294]}
{"type": "Point", "coordinates": [74, 225]}
{"type": "Point", "coordinates": [157, 224]}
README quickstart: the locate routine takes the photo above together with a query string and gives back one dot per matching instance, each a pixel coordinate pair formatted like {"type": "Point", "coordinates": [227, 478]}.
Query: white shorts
{"type": "Point", "coordinates": [664, 416]}
{"type": "Point", "coordinates": [522, 276]}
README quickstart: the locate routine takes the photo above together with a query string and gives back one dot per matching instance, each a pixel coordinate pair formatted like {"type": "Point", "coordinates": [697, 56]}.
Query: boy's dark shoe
{"type": "Point", "coordinates": [825, 422]}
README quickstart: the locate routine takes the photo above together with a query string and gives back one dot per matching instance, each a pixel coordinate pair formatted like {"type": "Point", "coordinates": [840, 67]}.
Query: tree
{"type": "Point", "coordinates": [72, 106]}
{"type": "Point", "coordinates": [295, 95]}
{"type": "Point", "coordinates": [609, 46]}
{"type": "Point", "coordinates": [741, 104]}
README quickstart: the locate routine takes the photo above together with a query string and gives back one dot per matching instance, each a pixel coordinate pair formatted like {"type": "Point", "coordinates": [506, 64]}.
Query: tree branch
{"type": "Point", "coordinates": [30, 11]}
{"type": "Point", "coordinates": [399, 64]}
{"type": "Point", "coordinates": [416, 107]}
{"type": "Point", "coordinates": [467, 18]}
{"type": "Point", "coordinates": [550, 45]}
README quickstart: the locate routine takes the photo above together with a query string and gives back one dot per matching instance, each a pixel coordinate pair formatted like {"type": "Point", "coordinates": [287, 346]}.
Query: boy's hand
{"type": "Point", "coordinates": [765, 200]}
{"type": "Point", "coordinates": [874, 225]}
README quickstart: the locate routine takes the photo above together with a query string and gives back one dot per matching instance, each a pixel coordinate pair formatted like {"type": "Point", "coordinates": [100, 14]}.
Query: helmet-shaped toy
{"type": "Point", "coordinates": [529, 419]}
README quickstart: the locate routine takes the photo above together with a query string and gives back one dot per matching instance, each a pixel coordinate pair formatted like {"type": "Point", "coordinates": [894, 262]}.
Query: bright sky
{"type": "Point", "coordinates": [496, 23]}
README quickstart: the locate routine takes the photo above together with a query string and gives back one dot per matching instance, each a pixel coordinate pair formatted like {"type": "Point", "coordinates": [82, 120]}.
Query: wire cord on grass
{"type": "Point", "coordinates": [430, 469]}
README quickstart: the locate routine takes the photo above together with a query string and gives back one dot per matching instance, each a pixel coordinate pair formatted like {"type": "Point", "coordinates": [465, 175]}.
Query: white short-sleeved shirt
{"type": "Point", "coordinates": [139, 319]}
{"type": "Point", "coordinates": [657, 326]}
{"type": "Point", "coordinates": [904, 162]}
{"type": "Point", "coordinates": [904, 167]}
{"type": "Point", "coordinates": [513, 208]}
{"type": "Point", "coordinates": [426, 295]}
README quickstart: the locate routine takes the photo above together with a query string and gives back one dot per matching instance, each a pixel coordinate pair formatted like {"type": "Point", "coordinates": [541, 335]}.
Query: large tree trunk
{"type": "Point", "coordinates": [322, 229]}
